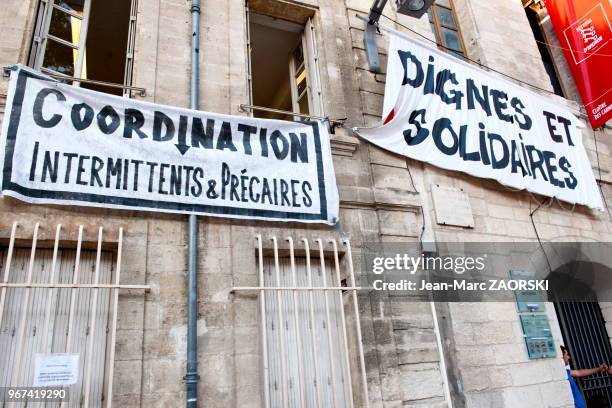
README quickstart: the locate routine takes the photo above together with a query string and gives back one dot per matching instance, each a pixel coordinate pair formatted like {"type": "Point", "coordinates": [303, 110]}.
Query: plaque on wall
{"type": "Point", "coordinates": [538, 336]}
{"type": "Point", "coordinates": [452, 206]}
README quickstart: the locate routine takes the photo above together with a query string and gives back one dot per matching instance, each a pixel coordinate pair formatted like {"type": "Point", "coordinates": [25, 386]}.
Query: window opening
{"type": "Point", "coordinates": [538, 35]}
{"type": "Point", "coordinates": [86, 39]}
{"type": "Point", "coordinates": [283, 65]}
{"type": "Point", "coordinates": [445, 26]}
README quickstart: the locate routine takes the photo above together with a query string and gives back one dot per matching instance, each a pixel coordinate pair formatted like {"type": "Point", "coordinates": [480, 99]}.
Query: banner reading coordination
{"type": "Point", "coordinates": [447, 113]}
{"type": "Point", "coordinates": [66, 145]}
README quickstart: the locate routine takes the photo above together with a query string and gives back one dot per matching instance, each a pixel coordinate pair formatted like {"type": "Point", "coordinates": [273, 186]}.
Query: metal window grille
{"type": "Point", "coordinates": [584, 331]}
{"type": "Point", "coordinates": [61, 300]}
{"type": "Point", "coordinates": [306, 361]}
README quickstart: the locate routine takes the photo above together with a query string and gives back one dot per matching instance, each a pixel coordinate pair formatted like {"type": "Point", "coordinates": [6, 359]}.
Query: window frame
{"type": "Point", "coordinates": [438, 26]}
{"type": "Point", "coordinates": [309, 44]}
{"type": "Point", "coordinates": [46, 275]}
{"type": "Point", "coordinates": [294, 68]}
{"type": "Point", "coordinates": [340, 282]}
{"type": "Point", "coordinates": [41, 37]}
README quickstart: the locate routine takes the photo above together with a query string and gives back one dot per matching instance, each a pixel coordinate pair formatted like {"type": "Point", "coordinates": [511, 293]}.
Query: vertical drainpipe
{"type": "Point", "coordinates": [191, 376]}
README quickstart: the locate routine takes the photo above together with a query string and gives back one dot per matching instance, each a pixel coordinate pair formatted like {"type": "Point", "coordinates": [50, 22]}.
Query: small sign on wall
{"type": "Point", "coordinates": [528, 301]}
{"type": "Point", "coordinates": [452, 206]}
{"type": "Point", "coordinates": [534, 321]}
{"type": "Point", "coordinates": [538, 336]}
{"type": "Point", "coordinates": [56, 369]}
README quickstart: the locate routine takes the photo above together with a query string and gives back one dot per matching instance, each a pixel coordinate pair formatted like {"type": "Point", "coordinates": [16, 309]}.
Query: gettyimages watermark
{"type": "Point", "coordinates": [485, 271]}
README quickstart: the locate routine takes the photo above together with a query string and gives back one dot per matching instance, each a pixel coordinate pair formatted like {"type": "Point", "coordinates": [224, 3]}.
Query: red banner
{"type": "Point", "coordinates": [585, 33]}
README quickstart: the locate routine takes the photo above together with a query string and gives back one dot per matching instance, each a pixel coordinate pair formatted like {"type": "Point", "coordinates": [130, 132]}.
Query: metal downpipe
{"type": "Point", "coordinates": [191, 376]}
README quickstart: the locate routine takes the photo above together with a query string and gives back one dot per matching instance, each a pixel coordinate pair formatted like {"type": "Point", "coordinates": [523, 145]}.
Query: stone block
{"type": "Point", "coordinates": [500, 376]}
{"type": "Point", "coordinates": [501, 211]}
{"type": "Point", "coordinates": [487, 399]}
{"type": "Point", "coordinates": [557, 369]}
{"type": "Point", "coordinates": [165, 344]}
{"type": "Point", "coordinates": [469, 312]}
{"type": "Point", "coordinates": [127, 377]}
{"type": "Point", "coordinates": [421, 381]}
{"type": "Point", "coordinates": [220, 373]}
{"type": "Point", "coordinates": [249, 396]}
{"type": "Point", "coordinates": [361, 60]}
{"type": "Point", "coordinates": [533, 372]}
{"type": "Point", "coordinates": [163, 258]}
{"type": "Point", "coordinates": [128, 344]}
{"type": "Point", "coordinates": [411, 315]}
{"type": "Point", "coordinates": [557, 394]}
{"type": "Point", "coordinates": [517, 396]}
{"type": "Point", "coordinates": [246, 311]}
{"type": "Point", "coordinates": [523, 229]}
{"type": "Point", "coordinates": [494, 332]}
{"type": "Point", "coordinates": [502, 311]}
{"type": "Point", "coordinates": [509, 353]}
{"type": "Point", "coordinates": [475, 378]}
{"type": "Point", "coordinates": [372, 102]}
{"type": "Point", "coordinates": [359, 5]}
{"type": "Point", "coordinates": [357, 36]}
{"type": "Point", "coordinates": [475, 355]}
{"type": "Point", "coordinates": [399, 223]}
{"type": "Point", "coordinates": [426, 403]}
{"type": "Point", "coordinates": [126, 400]}
{"type": "Point", "coordinates": [164, 376]}
{"type": "Point", "coordinates": [416, 346]}
{"type": "Point", "coordinates": [464, 334]}
{"type": "Point", "coordinates": [161, 400]}
{"type": "Point", "coordinates": [385, 158]}
{"type": "Point", "coordinates": [130, 313]}
{"type": "Point", "coordinates": [494, 225]}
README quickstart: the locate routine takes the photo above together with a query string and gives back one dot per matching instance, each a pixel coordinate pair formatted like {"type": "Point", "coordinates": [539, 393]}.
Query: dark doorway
{"type": "Point", "coordinates": [585, 335]}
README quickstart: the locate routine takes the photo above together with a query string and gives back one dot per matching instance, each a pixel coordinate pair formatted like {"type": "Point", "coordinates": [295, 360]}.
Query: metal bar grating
{"type": "Point", "coordinates": [584, 330]}
{"type": "Point", "coordinates": [60, 300]}
{"type": "Point", "coordinates": [305, 345]}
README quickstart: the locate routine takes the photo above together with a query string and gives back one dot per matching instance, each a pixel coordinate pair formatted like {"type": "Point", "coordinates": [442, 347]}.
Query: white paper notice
{"type": "Point", "coordinates": [56, 369]}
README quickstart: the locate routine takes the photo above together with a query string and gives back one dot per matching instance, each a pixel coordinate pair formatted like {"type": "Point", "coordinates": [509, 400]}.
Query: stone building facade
{"type": "Point", "coordinates": [487, 365]}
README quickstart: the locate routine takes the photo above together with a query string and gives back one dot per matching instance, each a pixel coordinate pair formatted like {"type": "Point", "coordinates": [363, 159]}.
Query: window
{"type": "Point", "coordinates": [43, 320]}
{"type": "Point", "coordinates": [445, 26]}
{"type": "Point", "coordinates": [61, 301]}
{"type": "Point", "coordinates": [538, 35]}
{"type": "Point", "coordinates": [305, 313]}
{"type": "Point", "coordinates": [283, 63]}
{"type": "Point", "coordinates": [312, 368]}
{"type": "Point", "coordinates": [86, 39]}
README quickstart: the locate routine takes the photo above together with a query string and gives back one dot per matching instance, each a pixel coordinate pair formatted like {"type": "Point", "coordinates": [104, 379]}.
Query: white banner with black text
{"type": "Point", "coordinates": [67, 145]}
{"type": "Point", "coordinates": [443, 111]}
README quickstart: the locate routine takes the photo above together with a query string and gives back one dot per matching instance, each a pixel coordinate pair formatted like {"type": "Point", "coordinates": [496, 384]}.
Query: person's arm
{"type": "Point", "coordinates": [585, 372]}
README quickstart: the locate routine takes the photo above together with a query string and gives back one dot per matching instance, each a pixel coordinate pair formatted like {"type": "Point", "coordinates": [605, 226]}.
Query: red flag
{"type": "Point", "coordinates": [585, 32]}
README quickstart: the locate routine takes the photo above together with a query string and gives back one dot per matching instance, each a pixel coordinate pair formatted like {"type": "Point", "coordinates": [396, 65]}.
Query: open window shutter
{"type": "Point", "coordinates": [312, 65]}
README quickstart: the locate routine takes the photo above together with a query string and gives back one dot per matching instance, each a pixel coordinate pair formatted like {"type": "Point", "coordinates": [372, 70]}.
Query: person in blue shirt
{"type": "Point", "coordinates": [579, 401]}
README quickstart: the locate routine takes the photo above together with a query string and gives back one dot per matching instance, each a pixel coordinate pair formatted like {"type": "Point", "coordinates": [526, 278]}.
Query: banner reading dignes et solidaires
{"type": "Point", "coordinates": [67, 145]}
{"type": "Point", "coordinates": [440, 110]}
